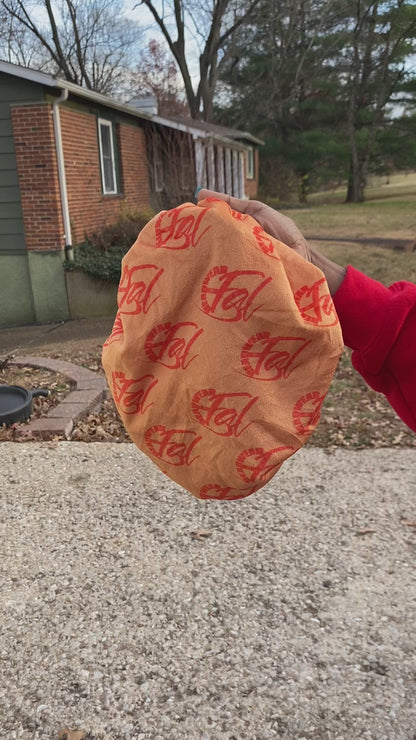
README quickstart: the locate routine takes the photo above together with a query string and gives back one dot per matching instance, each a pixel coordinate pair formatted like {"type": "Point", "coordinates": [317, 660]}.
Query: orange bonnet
{"type": "Point", "coordinates": [223, 348]}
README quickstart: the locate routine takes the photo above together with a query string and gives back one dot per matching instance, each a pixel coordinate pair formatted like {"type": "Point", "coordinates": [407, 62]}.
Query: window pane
{"type": "Point", "coordinates": [105, 140]}
{"type": "Point", "coordinates": [250, 164]}
{"type": "Point", "coordinates": [107, 157]}
{"type": "Point", "coordinates": [108, 174]}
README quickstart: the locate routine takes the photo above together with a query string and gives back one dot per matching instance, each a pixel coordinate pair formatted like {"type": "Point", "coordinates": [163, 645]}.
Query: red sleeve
{"type": "Point", "coordinates": [379, 324]}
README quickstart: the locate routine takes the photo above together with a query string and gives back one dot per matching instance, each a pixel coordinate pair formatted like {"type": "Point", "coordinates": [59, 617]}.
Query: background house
{"type": "Point", "coordinates": [72, 160]}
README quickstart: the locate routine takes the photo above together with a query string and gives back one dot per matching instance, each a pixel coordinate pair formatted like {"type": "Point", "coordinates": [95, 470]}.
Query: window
{"type": "Point", "coordinates": [158, 165]}
{"type": "Point", "coordinates": [108, 165]}
{"type": "Point", "coordinates": [250, 163]}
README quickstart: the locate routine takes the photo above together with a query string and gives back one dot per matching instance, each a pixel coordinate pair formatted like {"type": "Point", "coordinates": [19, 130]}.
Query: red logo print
{"type": "Point", "coordinates": [136, 286]}
{"type": "Point", "coordinates": [255, 465]}
{"type": "Point", "coordinates": [229, 295]}
{"type": "Point", "coordinates": [224, 493]}
{"type": "Point", "coordinates": [116, 333]}
{"type": "Point", "coordinates": [265, 357]}
{"type": "Point", "coordinates": [315, 304]}
{"type": "Point", "coordinates": [265, 243]}
{"type": "Point", "coordinates": [180, 228]}
{"type": "Point", "coordinates": [239, 216]}
{"type": "Point", "coordinates": [170, 344]}
{"type": "Point", "coordinates": [173, 446]}
{"type": "Point", "coordinates": [222, 413]}
{"type": "Point", "coordinates": [307, 411]}
{"type": "Point", "coordinates": [131, 394]}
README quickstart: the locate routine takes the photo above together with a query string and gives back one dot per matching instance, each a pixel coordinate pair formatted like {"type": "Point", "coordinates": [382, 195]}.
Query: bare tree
{"type": "Point", "coordinates": [157, 74]}
{"type": "Point", "coordinates": [215, 26]}
{"type": "Point", "coordinates": [88, 42]}
{"type": "Point", "coordinates": [19, 46]}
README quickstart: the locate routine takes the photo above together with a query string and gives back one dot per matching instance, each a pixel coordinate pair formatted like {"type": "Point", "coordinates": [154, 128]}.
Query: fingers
{"type": "Point", "coordinates": [274, 223]}
{"type": "Point", "coordinates": [237, 204]}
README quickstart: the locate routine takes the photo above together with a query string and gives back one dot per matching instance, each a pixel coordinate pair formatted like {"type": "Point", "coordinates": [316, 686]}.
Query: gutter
{"type": "Point", "coordinates": [69, 252]}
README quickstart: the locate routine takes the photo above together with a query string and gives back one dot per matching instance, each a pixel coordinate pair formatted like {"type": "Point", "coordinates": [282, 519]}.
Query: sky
{"type": "Point", "coordinates": [144, 17]}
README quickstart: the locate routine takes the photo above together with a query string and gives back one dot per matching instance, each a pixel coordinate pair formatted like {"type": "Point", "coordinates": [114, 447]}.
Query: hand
{"type": "Point", "coordinates": [285, 230]}
{"type": "Point", "coordinates": [273, 222]}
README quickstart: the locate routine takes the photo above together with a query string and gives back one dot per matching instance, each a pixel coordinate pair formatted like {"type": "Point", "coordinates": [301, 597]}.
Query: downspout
{"type": "Point", "coordinates": [69, 252]}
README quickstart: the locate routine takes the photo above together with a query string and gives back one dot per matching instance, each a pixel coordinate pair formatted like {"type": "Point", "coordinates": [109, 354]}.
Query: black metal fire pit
{"type": "Point", "coordinates": [16, 403]}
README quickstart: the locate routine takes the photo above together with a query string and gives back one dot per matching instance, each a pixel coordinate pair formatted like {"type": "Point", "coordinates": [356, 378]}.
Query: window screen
{"type": "Point", "coordinates": [108, 170]}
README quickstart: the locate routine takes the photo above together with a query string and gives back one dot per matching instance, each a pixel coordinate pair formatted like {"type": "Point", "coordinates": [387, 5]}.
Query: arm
{"type": "Point", "coordinates": [378, 323]}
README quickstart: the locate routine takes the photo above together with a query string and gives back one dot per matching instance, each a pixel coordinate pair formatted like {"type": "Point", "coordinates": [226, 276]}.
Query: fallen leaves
{"type": "Point", "coordinates": [200, 534]}
{"type": "Point", "coordinates": [102, 425]}
{"type": "Point", "coordinates": [67, 734]}
{"type": "Point", "coordinates": [408, 522]}
{"type": "Point", "coordinates": [353, 416]}
{"type": "Point", "coordinates": [364, 531]}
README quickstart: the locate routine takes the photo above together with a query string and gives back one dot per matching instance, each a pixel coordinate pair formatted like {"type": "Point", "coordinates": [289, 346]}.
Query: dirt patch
{"type": "Point", "coordinates": [401, 245]}
{"type": "Point", "coordinates": [353, 415]}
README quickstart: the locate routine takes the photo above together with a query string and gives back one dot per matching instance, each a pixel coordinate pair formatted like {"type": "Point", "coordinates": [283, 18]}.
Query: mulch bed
{"type": "Point", "coordinates": [353, 415]}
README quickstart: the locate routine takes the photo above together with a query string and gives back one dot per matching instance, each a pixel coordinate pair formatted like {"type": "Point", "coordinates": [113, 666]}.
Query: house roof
{"type": "Point", "coordinates": [224, 131]}
{"type": "Point", "coordinates": [198, 129]}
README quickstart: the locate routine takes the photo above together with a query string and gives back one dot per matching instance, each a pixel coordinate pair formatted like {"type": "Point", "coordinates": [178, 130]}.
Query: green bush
{"type": "Point", "coordinates": [121, 233]}
{"type": "Point", "coordinates": [102, 263]}
{"type": "Point", "coordinates": [101, 253]}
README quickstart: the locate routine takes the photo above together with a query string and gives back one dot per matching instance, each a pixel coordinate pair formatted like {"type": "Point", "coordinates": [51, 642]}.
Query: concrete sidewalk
{"type": "Point", "coordinates": [28, 339]}
{"type": "Point", "coordinates": [130, 610]}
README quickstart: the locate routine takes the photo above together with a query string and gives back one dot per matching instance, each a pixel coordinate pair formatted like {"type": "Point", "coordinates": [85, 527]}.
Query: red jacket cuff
{"type": "Point", "coordinates": [360, 303]}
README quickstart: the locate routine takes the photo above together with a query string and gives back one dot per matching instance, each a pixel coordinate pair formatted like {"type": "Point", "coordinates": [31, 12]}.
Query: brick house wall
{"type": "Point", "coordinates": [89, 209]}
{"type": "Point", "coordinates": [134, 166]}
{"type": "Point", "coordinates": [37, 168]}
{"type": "Point", "coordinates": [37, 171]}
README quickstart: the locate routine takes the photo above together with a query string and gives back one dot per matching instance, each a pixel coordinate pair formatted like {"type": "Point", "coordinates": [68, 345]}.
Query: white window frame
{"type": "Point", "coordinates": [158, 165]}
{"type": "Point", "coordinates": [107, 124]}
{"type": "Point", "coordinates": [250, 163]}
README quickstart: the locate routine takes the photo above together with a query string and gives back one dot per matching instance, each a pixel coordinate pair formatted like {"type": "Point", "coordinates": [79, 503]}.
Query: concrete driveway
{"type": "Point", "coordinates": [130, 610]}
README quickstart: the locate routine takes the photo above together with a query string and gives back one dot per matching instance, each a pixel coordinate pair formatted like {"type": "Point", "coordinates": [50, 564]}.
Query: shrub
{"type": "Point", "coordinates": [101, 253]}
{"type": "Point", "coordinates": [122, 233]}
{"type": "Point", "coordinates": [102, 263]}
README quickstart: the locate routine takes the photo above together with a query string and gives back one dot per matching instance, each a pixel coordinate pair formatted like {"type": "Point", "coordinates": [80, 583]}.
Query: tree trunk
{"type": "Point", "coordinates": [303, 188]}
{"type": "Point", "coordinates": [356, 183]}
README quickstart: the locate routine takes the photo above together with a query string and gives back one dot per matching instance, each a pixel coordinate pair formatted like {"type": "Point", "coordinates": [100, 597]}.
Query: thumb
{"type": "Point", "coordinates": [237, 204]}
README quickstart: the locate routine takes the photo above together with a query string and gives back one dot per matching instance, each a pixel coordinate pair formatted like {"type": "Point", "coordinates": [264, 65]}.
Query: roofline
{"type": "Point", "coordinates": [47, 80]}
{"type": "Point", "coordinates": [196, 133]}
{"type": "Point", "coordinates": [247, 136]}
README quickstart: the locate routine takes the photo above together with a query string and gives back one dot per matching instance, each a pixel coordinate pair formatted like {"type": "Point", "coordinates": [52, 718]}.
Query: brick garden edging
{"type": "Point", "coordinates": [90, 389]}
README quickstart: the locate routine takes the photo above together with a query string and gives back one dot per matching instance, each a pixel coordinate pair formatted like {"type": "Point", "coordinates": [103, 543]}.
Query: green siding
{"type": "Point", "coordinates": [6, 145]}
{"type": "Point", "coordinates": [9, 210]}
{"type": "Point", "coordinates": [12, 226]}
{"type": "Point", "coordinates": [11, 244]}
{"type": "Point", "coordinates": [8, 162]}
{"type": "Point", "coordinates": [12, 91]}
{"type": "Point", "coordinates": [8, 179]}
{"type": "Point", "coordinates": [9, 193]}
